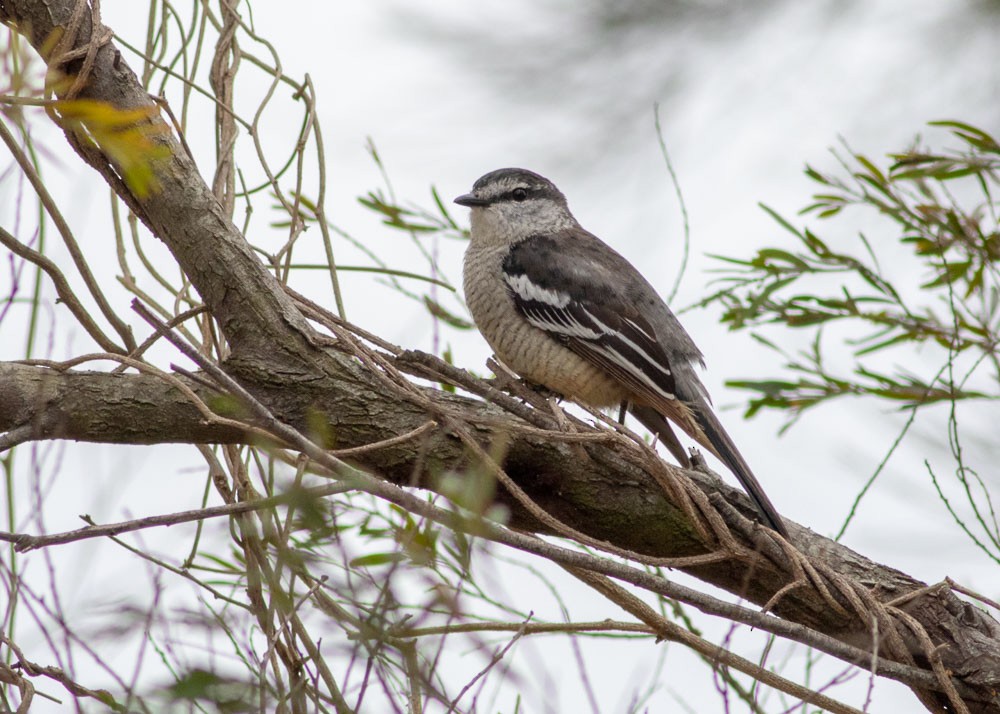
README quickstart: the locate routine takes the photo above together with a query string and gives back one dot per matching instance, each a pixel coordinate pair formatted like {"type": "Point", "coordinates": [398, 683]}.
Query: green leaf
{"type": "Point", "coordinates": [449, 318]}
{"type": "Point", "coordinates": [816, 175]}
{"type": "Point", "coordinates": [976, 137]}
{"type": "Point", "coordinates": [449, 358]}
{"type": "Point", "coordinates": [814, 244]}
{"type": "Point", "coordinates": [780, 220]}
{"type": "Point", "coordinates": [768, 255]}
{"type": "Point", "coordinates": [367, 561]}
{"type": "Point", "coordinates": [949, 273]}
{"type": "Point", "coordinates": [228, 695]}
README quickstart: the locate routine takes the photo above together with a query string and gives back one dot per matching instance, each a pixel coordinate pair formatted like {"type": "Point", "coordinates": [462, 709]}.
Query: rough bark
{"type": "Point", "coordinates": [276, 356]}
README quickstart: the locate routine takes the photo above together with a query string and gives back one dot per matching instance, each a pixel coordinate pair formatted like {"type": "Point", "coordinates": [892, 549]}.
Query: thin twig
{"type": "Point", "coordinates": [63, 290]}
{"type": "Point", "coordinates": [123, 330]}
{"type": "Point", "coordinates": [24, 543]}
{"type": "Point", "coordinates": [499, 655]}
{"type": "Point", "coordinates": [666, 629]}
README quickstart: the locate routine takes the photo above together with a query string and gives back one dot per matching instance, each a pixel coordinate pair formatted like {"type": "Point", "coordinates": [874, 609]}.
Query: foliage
{"type": "Point", "coordinates": [128, 138]}
{"type": "Point", "coordinates": [923, 279]}
{"type": "Point", "coordinates": [937, 210]}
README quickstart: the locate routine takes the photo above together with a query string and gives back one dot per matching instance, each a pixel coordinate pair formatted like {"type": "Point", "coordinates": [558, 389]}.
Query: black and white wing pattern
{"type": "Point", "coordinates": [586, 296]}
{"type": "Point", "coordinates": [580, 301]}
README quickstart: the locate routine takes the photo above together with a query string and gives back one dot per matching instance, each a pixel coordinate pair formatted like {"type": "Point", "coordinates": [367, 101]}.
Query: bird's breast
{"type": "Point", "coordinates": [525, 349]}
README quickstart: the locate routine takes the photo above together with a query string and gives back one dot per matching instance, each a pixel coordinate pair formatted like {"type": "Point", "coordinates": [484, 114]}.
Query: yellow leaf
{"type": "Point", "coordinates": [130, 138]}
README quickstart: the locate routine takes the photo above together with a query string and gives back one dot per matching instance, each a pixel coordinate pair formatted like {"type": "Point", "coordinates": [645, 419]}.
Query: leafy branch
{"type": "Point", "coordinates": [936, 227]}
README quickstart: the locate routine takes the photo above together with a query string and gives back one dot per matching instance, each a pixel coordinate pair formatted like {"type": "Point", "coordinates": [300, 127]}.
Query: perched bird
{"type": "Point", "coordinates": [562, 309]}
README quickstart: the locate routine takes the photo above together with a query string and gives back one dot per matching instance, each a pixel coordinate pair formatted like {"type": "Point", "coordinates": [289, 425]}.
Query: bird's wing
{"type": "Point", "coordinates": [576, 289]}
{"type": "Point", "coordinates": [584, 295]}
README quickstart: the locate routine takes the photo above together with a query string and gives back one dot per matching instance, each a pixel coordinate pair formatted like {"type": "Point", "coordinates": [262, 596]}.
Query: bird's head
{"type": "Point", "coordinates": [515, 204]}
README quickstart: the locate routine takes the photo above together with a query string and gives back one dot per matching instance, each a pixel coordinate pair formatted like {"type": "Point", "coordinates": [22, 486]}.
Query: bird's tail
{"type": "Point", "coordinates": [718, 442]}
{"type": "Point", "coordinates": [724, 448]}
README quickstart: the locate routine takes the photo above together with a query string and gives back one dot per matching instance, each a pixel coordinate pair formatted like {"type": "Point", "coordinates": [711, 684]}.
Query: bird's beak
{"type": "Point", "coordinates": [467, 199]}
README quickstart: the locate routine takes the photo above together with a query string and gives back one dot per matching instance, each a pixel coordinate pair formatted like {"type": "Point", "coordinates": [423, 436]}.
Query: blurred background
{"type": "Point", "coordinates": [747, 93]}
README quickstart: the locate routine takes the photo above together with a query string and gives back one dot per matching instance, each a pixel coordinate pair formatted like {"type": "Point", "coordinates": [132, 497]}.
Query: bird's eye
{"type": "Point", "coordinates": [519, 194]}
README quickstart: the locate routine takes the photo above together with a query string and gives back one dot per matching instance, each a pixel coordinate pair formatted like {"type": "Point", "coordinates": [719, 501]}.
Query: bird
{"type": "Point", "coordinates": [564, 310]}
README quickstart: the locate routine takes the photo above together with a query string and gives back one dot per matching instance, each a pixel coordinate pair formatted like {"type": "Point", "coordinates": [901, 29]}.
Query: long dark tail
{"type": "Point", "coordinates": [726, 450]}
{"type": "Point", "coordinates": [721, 446]}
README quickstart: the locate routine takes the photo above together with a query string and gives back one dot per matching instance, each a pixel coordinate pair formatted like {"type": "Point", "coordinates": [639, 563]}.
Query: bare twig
{"type": "Point", "coordinates": [24, 543]}
{"type": "Point", "coordinates": [123, 330]}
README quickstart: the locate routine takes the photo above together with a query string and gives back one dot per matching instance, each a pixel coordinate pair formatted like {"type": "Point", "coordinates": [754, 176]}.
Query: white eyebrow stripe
{"type": "Point", "coordinates": [528, 290]}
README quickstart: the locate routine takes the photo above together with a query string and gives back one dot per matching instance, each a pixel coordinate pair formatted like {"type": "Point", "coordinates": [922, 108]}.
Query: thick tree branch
{"type": "Point", "coordinates": [104, 408]}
